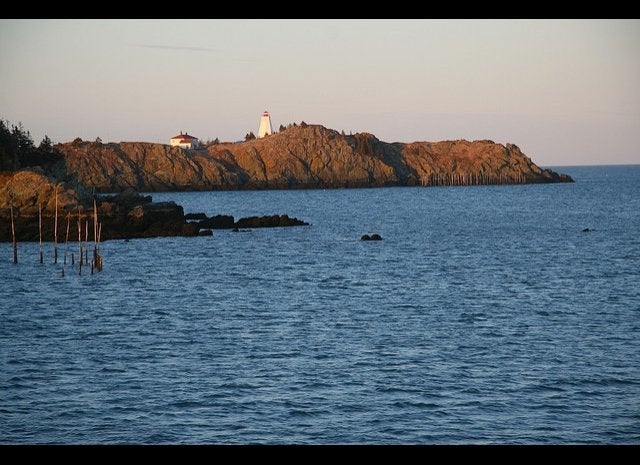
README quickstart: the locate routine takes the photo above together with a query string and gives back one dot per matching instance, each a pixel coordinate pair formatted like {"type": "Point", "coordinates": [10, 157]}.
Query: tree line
{"type": "Point", "coordinates": [17, 149]}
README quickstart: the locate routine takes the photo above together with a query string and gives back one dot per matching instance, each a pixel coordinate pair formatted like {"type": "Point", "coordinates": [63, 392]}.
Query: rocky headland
{"type": "Point", "coordinates": [302, 156]}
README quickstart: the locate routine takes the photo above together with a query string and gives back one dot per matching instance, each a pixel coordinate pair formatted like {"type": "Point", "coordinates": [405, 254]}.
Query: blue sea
{"type": "Point", "coordinates": [485, 316]}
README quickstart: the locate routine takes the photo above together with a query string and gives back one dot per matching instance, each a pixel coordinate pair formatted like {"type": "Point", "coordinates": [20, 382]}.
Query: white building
{"type": "Point", "coordinates": [265, 125]}
{"type": "Point", "coordinates": [185, 141]}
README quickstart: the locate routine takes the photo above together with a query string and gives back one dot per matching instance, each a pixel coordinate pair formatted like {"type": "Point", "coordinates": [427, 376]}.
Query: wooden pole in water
{"type": "Point", "coordinates": [66, 241]}
{"type": "Point", "coordinates": [86, 242]}
{"type": "Point", "coordinates": [95, 229]}
{"type": "Point", "coordinates": [13, 235]}
{"type": "Point", "coordinates": [99, 262]}
{"type": "Point", "coordinates": [40, 229]}
{"type": "Point", "coordinates": [79, 243]}
{"type": "Point", "coordinates": [55, 232]}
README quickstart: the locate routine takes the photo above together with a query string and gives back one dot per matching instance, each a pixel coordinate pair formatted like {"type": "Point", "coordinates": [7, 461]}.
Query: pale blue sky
{"type": "Point", "coordinates": [565, 91]}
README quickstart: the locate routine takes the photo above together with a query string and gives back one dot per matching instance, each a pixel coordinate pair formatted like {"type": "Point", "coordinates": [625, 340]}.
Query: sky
{"type": "Point", "coordinates": [567, 92]}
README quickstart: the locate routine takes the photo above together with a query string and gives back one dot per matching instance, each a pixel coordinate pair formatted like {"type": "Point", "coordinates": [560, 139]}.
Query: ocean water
{"type": "Point", "coordinates": [485, 315]}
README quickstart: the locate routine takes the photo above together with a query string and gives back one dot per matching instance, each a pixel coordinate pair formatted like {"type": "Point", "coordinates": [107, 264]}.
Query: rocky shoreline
{"type": "Point", "coordinates": [69, 176]}
{"type": "Point", "coordinates": [300, 157]}
{"type": "Point", "coordinates": [127, 215]}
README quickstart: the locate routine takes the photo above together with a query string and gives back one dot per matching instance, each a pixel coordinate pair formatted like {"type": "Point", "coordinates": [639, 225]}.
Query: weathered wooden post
{"type": "Point", "coordinates": [86, 242]}
{"type": "Point", "coordinates": [13, 235]}
{"type": "Point", "coordinates": [99, 254]}
{"type": "Point", "coordinates": [40, 230]}
{"type": "Point", "coordinates": [55, 231]}
{"type": "Point", "coordinates": [66, 241]}
{"type": "Point", "coordinates": [79, 243]}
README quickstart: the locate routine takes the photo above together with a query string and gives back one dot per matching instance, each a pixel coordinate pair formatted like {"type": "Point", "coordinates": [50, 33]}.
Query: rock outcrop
{"type": "Point", "coordinates": [309, 156]}
{"type": "Point", "coordinates": [228, 222]}
{"type": "Point", "coordinates": [126, 215]}
{"type": "Point", "coordinates": [123, 216]}
{"type": "Point", "coordinates": [269, 221]}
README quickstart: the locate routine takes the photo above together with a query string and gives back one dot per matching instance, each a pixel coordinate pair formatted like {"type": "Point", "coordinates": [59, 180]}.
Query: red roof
{"type": "Point", "coordinates": [184, 137]}
{"type": "Point", "coordinates": [266, 113]}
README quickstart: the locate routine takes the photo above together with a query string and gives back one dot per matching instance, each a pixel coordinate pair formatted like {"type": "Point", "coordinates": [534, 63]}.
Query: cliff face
{"type": "Point", "coordinates": [308, 156]}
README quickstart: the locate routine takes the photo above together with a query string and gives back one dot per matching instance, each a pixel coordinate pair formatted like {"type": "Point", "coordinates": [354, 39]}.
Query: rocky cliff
{"type": "Point", "coordinates": [306, 156]}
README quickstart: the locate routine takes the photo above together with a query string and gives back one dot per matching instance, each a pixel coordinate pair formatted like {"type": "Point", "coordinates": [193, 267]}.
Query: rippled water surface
{"type": "Point", "coordinates": [485, 315]}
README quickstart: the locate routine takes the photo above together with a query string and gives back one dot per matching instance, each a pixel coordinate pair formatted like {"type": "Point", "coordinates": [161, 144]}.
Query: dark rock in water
{"type": "Point", "coordinates": [195, 216]}
{"type": "Point", "coordinates": [373, 237]}
{"type": "Point", "coordinates": [190, 229]}
{"type": "Point", "coordinates": [588, 230]}
{"type": "Point", "coordinates": [365, 237]}
{"type": "Point", "coordinates": [217, 222]}
{"type": "Point", "coordinates": [205, 232]}
{"type": "Point", "coordinates": [273, 221]}
{"type": "Point", "coordinates": [235, 230]}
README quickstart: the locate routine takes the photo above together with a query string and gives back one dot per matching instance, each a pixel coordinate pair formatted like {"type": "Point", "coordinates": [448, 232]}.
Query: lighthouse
{"type": "Point", "coordinates": [265, 125]}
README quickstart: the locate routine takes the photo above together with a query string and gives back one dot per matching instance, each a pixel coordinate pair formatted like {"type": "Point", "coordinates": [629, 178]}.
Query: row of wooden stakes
{"type": "Point", "coordinates": [96, 261]}
{"type": "Point", "coordinates": [471, 179]}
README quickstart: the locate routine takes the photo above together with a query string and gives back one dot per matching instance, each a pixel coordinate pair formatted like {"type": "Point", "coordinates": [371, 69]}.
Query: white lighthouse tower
{"type": "Point", "coordinates": [265, 125]}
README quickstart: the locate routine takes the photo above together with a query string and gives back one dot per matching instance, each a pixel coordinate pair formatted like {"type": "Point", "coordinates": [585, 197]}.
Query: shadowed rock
{"type": "Point", "coordinates": [217, 222]}
{"type": "Point", "coordinates": [269, 222]}
{"type": "Point", "coordinates": [195, 216]}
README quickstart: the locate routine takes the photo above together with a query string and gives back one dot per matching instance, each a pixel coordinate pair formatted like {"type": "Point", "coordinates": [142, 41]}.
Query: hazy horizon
{"type": "Point", "coordinates": [564, 91]}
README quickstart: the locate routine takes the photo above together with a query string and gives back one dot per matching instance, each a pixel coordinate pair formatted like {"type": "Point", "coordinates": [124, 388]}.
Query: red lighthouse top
{"type": "Point", "coordinates": [266, 113]}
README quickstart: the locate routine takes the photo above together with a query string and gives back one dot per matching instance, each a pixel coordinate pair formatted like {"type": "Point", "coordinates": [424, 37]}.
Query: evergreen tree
{"type": "Point", "coordinates": [46, 145]}
{"type": "Point", "coordinates": [281, 128]}
{"type": "Point", "coordinates": [22, 139]}
{"type": "Point", "coordinates": [8, 149]}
